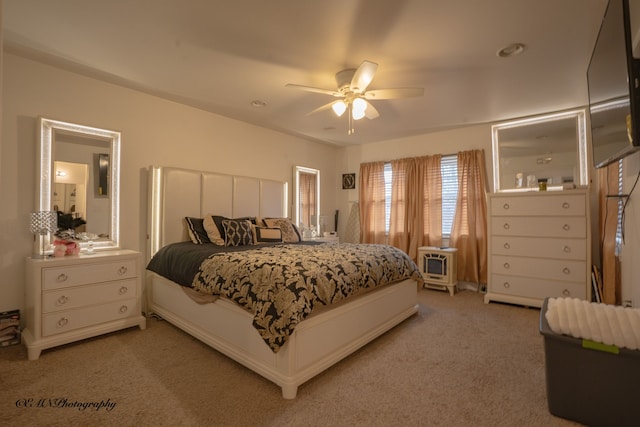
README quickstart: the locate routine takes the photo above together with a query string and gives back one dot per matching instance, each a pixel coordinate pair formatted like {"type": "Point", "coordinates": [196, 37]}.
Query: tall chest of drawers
{"type": "Point", "coordinates": [539, 246]}
{"type": "Point", "coordinates": [76, 297]}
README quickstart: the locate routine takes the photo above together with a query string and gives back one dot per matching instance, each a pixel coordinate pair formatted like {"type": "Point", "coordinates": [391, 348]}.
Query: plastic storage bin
{"type": "Point", "coordinates": [593, 387]}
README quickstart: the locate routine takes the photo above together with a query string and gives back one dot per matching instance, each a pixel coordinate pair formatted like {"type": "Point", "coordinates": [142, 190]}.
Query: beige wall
{"type": "Point", "coordinates": [160, 132]}
{"type": "Point", "coordinates": [154, 132]}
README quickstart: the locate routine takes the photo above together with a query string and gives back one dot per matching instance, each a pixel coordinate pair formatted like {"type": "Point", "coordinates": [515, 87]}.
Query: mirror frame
{"type": "Point", "coordinates": [46, 151]}
{"type": "Point", "coordinates": [581, 144]}
{"type": "Point", "coordinates": [296, 196]}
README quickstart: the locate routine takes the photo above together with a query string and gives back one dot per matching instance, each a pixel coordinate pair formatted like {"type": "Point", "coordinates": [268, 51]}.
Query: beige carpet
{"type": "Point", "coordinates": [458, 362]}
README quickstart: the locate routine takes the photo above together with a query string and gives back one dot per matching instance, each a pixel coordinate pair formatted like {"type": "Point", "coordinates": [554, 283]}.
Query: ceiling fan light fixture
{"type": "Point", "coordinates": [359, 108]}
{"type": "Point", "coordinates": [339, 107]}
{"type": "Point", "coordinates": [352, 91]}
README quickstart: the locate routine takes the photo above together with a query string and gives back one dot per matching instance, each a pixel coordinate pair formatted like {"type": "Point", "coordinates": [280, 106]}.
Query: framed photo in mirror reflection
{"type": "Point", "coordinates": [102, 188]}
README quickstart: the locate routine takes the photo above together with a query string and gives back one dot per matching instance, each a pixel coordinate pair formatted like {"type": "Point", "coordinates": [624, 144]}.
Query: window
{"type": "Point", "coordinates": [449, 171]}
{"type": "Point", "coordinates": [387, 196]}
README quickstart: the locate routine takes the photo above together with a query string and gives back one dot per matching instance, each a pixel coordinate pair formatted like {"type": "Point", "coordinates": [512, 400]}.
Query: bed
{"type": "Point", "coordinates": [320, 339]}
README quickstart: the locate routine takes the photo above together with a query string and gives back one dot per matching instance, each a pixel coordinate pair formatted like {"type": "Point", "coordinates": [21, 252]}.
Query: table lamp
{"type": "Point", "coordinates": [43, 223]}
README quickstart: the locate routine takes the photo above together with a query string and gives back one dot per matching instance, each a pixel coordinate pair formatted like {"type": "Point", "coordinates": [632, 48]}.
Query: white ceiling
{"type": "Point", "coordinates": [220, 55]}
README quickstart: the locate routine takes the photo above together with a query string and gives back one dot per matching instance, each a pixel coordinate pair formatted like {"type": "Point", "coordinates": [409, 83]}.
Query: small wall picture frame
{"type": "Point", "coordinates": [348, 181]}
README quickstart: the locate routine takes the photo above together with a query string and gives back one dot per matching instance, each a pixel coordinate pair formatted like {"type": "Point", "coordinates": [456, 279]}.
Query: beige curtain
{"type": "Point", "coordinates": [431, 203]}
{"type": "Point", "coordinates": [608, 223]}
{"type": "Point", "coordinates": [307, 194]}
{"type": "Point", "coordinates": [372, 203]}
{"type": "Point", "coordinates": [416, 200]}
{"type": "Point", "coordinates": [469, 230]}
{"type": "Point", "coordinates": [400, 213]}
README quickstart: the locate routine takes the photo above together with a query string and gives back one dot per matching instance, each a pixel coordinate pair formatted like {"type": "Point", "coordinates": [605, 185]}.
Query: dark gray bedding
{"type": "Point", "coordinates": [179, 262]}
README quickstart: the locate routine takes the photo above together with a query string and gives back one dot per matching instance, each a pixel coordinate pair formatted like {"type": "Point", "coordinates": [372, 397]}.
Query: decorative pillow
{"type": "Point", "coordinates": [213, 230]}
{"type": "Point", "coordinates": [251, 219]}
{"type": "Point", "coordinates": [266, 234]}
{"type": "Point", "coordinates": [237, 232]}
{"type": "Point", "coordinates": [197, 233]}
{"type": "Point", "coordinates": [290, 233]}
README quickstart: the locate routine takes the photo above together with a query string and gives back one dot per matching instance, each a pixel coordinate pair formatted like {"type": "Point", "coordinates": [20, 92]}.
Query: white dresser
{"type": "Point", "coordinates": [539, 246]}
{"type": "Point", "coordinates": [75, 297]}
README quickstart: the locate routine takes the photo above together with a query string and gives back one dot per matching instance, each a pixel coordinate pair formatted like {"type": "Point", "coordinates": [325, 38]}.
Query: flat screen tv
{"type": "Point", "coordinates": [613, 79]}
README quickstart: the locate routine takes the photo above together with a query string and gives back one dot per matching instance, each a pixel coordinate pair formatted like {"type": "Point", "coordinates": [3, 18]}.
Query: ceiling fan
{"type": "Point", "coordinates": [353, 94]}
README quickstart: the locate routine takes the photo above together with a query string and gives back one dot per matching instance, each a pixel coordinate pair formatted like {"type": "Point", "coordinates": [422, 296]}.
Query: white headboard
{"type": "Point", "coordinates": [175, 193]}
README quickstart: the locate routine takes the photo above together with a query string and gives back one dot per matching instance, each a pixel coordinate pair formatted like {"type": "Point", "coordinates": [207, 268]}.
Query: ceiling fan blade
{"type": "Point", "coordinates": [363, 76]}
{"type": "Point", "coordinates": [371, 112]}
{"type": "Point", "coordinates": [401, 92]}
{"type": "Point", "coordinates": [314, 90]}
{"type": "Point", "coordinates": [321, 108]}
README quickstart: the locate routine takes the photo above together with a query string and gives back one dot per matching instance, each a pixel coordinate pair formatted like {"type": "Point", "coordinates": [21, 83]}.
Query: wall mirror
{"type": "Point", "coordinates": [79, 173]}
{"type": "Point", "coordinates": [551, 147]}
{"type": "Point", "coordinates": [306, 198]}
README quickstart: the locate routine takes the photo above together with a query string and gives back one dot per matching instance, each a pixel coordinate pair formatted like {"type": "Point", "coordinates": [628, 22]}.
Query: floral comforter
{"type": "Point", "coordinates": [280, 285]}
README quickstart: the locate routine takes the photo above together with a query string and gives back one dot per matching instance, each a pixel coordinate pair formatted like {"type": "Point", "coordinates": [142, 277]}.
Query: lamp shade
{"type": "Point", "coordinates": [359, 107]}
{"type": "Point", "coordinates": [339, 107]}
{"type": "Point", "coordinates": [44, 222]}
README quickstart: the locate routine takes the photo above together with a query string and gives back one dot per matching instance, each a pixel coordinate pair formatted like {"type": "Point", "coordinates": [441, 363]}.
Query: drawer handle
{"type": "Point", "coordinates": [62, 277]}
{"type": "Point", "coordinates": [63, 322]}
{"type": "Point", "coordinates": [566, 205]}
{"type": "Point", "coordinates": [505, 206]}
{"type": "Point", "coordinates": [566, 249]}
{"type": "Point", "coordinates": [506, 285]}
{"type": "Point", "coordinates": [507, 245]}
{"type": "Point", "coordinates": [123, 309]}
{"type": "Point", "coordinates": [63, 300]}
{"type": "Point", "coordinates": [506, 265]}
{"type": "Point", "coordinates": [566, 270]}
{"type": "Point", "coordinates": [122, 270]}
{"type": "Point", "coordinates": [566, 292]}
{"type": "Point", "coordinates": [566, 227]}
{"type": "Point", "coordinates": [506, 226]}
{"type": "Point", "coordinates": [123, 290]}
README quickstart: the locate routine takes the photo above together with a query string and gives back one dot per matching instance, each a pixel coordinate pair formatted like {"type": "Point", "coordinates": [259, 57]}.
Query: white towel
{"type": "Point", "coordinates": [604, 323]}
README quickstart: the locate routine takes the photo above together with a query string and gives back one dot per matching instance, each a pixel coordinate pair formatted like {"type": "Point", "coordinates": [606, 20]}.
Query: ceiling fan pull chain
{"type": "Point", "coordinates": [351, 130]}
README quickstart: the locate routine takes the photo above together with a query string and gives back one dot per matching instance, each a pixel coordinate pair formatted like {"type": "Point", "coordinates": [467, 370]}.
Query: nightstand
{"type": "Point", "coordinates": [75, 297]}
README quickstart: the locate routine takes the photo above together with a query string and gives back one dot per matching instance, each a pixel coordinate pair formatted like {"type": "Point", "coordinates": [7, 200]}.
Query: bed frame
{"type": "Point", "coordinates": [317, 343]}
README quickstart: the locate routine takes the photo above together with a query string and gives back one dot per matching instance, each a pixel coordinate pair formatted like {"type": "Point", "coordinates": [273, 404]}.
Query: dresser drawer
{"type": "Point", "coordinates": [68, 298]}
{"type": "Point", "coordinates": [573, 227]}
{"type": "Point", "coordinates": [540, 247]}
{"type": "Point", "coordinates": [62, 277]}
{"type": "Point", "coordinates": [64, 321]}
{"type": "Point", "coordinates": [535, 288]}
{"type": "Point", "coordinates": [552, 269]}
{"type": "Point", "coordinates": [543, 205]}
